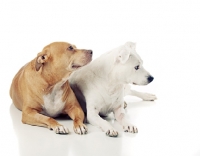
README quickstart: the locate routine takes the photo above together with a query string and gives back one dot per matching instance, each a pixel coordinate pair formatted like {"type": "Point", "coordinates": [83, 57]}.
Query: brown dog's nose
{"type": "Point", "coordinates": [90, 51]}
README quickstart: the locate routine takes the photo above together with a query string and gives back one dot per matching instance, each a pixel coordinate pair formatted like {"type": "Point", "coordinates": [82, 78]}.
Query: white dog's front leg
{"type": "Point", "coordinates": [94, 119]}
{"type": "Point", "coordinates": [121, 118]}
{"type": "Point", "coordinates": [144, 96]}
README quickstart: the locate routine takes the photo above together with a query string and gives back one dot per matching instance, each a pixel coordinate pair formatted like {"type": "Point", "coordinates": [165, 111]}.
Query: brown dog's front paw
{"type": "Point", "coordinates": [60, 129]}
{"type": "Point", "coordinates": [80, 129]}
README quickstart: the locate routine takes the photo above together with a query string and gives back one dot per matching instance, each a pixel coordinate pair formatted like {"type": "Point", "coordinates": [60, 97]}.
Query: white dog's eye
{"type": "Point", "coordinates": [137, 67]}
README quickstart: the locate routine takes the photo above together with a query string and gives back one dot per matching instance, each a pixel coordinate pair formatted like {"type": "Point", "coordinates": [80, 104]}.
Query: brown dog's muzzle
{"type": "Point", "coordinates": [88, 54]}
{"type": "Point", "coordinates": [83, 60]}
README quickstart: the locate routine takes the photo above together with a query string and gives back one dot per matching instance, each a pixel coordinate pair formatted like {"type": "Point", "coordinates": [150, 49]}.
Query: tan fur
{"type": "Point", "coordinates": [38, 78]}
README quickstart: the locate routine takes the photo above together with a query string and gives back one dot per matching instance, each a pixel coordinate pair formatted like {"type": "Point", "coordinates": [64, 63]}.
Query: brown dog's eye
{"type": "Point", "coordinates": [43, 57]}
{"type": "Point", "coordinates": [70, 48]}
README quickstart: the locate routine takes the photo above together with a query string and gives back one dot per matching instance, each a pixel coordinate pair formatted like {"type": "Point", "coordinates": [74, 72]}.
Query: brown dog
{"type": "Point", "coordinates": [41, 88]}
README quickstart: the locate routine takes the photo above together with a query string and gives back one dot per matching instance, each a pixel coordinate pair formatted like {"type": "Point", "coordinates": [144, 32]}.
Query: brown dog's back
{"type": "Point", "coordinates": [15, 87]}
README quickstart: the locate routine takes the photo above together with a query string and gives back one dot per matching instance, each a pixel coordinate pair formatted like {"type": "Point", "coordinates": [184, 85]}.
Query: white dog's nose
{"type": "Point", "coordinates": [150, 79]}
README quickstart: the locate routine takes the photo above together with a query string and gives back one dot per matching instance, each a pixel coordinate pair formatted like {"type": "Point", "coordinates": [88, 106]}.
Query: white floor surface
{"type": "Point", "coordinates": [169, 127]}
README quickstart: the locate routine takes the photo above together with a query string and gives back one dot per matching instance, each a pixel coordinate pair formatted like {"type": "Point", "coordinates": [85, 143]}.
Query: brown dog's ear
{"type": "Point", "coordinates": [40, 60]}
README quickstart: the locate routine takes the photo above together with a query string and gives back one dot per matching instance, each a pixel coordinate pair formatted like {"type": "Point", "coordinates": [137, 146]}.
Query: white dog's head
{"type": "Point", "coordinates": [130, 66]}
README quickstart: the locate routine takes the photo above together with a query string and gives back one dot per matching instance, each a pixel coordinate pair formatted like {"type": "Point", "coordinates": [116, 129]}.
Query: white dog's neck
{"type": "Point", "coordinates": [109, 78]}
{"type": "Point", "coordinates": [106, 72]}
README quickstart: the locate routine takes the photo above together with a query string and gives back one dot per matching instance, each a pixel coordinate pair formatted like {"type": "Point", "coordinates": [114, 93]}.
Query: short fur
{"type": "Point", "coordinates": [41, 88]}
{"type": "Point", "coordinates": [102, 85]}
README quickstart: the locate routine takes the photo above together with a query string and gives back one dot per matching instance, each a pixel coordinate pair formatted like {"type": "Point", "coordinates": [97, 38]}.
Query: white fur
{"type": "Point", "coordinates": [53, 104]}
{"type": "Point", "coordinates": [104, 83]}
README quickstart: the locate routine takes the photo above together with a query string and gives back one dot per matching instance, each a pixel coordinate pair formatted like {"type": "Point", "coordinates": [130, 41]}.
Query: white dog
{"type": "Point", "coordinates": [103, 83]}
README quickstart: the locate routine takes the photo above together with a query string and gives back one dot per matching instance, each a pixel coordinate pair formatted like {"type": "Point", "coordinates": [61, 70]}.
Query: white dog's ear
{"type": "Point", "coordinates": [123, 55]}
{"type": "Point", "coordinates": [130, 46]}
{"type": "Point", "coordinates": [126, 51]}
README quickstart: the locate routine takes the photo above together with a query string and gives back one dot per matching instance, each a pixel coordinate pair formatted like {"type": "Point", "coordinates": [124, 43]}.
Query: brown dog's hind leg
{"type": "Point", "coordinates": [32, 117]}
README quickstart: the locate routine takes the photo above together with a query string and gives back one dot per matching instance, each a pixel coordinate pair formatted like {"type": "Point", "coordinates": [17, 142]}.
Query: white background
{"type": "Point", "coordinates": [167, 33]}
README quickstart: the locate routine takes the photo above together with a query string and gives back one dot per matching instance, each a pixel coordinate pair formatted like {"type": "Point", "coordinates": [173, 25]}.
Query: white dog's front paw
{"type": "Point", "coordinates": [130, 129]}
{"type": "Point", "coordinates": [60, 130]}
{"type": "Point", "coordinates": [112, 133]}
{"type": "Point", "coordinates": [80, 129]}
{"type": "Point", "coordinates": [125, 104]}
{"type": "Point", "coordinates": [148, 97]}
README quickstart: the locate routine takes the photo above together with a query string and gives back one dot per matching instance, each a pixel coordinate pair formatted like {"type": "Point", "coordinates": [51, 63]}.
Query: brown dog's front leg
{"type": "Point", "coordinates": [32, 117]}
{"type": "Point", "coordinates": [75, 112]}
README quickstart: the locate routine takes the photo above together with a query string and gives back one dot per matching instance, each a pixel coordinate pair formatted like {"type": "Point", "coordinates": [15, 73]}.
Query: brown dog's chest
{"type": "Point", "coordinates": [53, 101]}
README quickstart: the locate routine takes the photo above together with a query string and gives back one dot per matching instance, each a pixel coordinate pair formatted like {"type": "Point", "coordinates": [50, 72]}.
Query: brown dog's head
{"type": "Point", "coordinates": [62, 57]}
